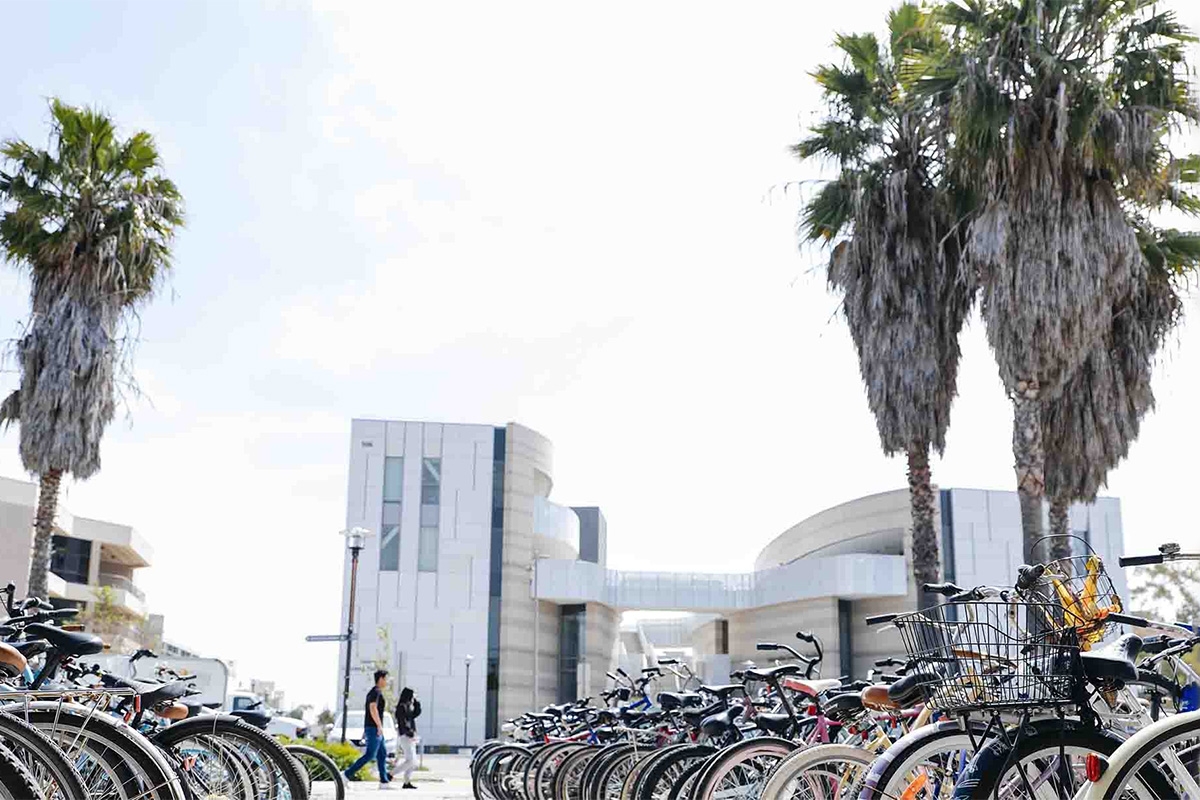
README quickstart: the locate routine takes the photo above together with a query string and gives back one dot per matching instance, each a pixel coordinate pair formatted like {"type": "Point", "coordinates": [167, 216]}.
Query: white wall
{"type": "Point", "coordinates": [434, 619]}
{"type": "Point", "coordinates": [987, 536]}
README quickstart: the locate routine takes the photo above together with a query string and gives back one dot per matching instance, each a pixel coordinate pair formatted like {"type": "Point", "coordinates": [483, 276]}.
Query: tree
{"type": "Point", "coordinates": [112, 622]}
{"type": "Point", "coordinates": [91, 219]}
{"type": "Point", "coordinates": [1089, 428]}
{"type": "Point", "coordinates": [1057, 110]}
{"type": "Point", "coordinates": [325, 718]}
{"type": "Point", "coordinates": [896, 260]}
{"type": "Point", "coordinates": [299, 711]}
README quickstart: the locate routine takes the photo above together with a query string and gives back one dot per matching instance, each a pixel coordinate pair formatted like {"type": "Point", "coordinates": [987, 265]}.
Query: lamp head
{"type": "Point", "coordinates": [356, 538]}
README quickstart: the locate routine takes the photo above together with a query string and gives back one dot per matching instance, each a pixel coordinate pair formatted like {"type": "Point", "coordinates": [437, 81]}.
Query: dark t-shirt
{"type": "Point", "coordinates": [374, 696]}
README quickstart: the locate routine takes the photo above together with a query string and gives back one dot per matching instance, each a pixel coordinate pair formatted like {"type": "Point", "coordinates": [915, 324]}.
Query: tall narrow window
{"type": "Point", "coordinates": [389, 536]}
{"type": "Point", "coordinates": [431, 502]}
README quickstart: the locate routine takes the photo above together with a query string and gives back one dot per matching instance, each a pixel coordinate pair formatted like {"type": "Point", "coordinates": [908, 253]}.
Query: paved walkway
{"type": "Point", "coordinates": [444, 778]}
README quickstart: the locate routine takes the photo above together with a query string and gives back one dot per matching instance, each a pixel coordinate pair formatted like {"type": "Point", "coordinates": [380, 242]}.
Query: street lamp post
{"type": "Point", "coordinates": [466, 697]}
{"type": "Point", "coordinates": [355, 541]}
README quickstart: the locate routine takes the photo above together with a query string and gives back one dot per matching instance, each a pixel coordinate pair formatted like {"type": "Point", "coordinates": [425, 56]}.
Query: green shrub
{"type": "Point", "coordinates": [342, 754]}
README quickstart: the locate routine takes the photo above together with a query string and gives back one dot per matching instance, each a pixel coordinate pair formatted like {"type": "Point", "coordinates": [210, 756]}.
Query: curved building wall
{"type": "Point", "coordinates": [872, 524]}
{"type": "Point", "coordinates": [528, 628]}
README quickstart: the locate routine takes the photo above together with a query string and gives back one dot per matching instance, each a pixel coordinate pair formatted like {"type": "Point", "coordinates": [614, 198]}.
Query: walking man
{"type": "Point", "coordinates": [373, 741]}
{"type": "Point", "coordinates": [408, 708]}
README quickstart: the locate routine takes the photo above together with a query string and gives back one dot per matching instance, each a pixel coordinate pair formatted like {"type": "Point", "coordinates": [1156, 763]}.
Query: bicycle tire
{"type": "Point", "coordinates": [1136, 762]}
{"type": "Point", "coordinates": [589, 787]}
{"type": "Point", "coordinates": [610, 779]}
{"type": "Point", "coordinates": [636, 776]}
{"type": "Point", "coordinates": [913, 749]}
{"type": "Point", "coordinates": [567, 781]}
{"type": "Point", "coordinates": [544, 766]}
{"type": "Point", "coordinates": [46, 764]}
{"type": "Point", "coordinates": [759, 754]}
{"type": "Point", "coordinates": [327, 764]}
{"type": "Point", "coordinates": [16, 782]}
{"type": "Point", "coordinates": [984, 773]}
{"type": "Point", "coordinates": [683, 789]}
{"type": "Point", "coordinates": [671, 769]}
{"type": "Point", "coordinates": [140, 765]}
{"type": "Point", "coordinates": [235, 730]}
{"type": "Point", "coordinates": [793, 767]}
{"type": "Point", "coordinates": [486, 785]}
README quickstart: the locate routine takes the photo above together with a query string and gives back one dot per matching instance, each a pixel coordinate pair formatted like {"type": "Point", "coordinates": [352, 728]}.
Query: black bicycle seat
{"type": "Point", "coordinates": [1113, 663]}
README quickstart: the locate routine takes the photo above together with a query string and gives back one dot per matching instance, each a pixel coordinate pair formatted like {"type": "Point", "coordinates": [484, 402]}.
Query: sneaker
{"type": "Point", "coordinates": [408, 786]}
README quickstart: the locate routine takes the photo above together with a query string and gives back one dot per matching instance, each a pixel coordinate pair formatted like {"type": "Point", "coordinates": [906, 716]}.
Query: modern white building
{"type": "Point", "coordinates": [87, 553]}
{"type": "Point", "coordinates": [489, 599]}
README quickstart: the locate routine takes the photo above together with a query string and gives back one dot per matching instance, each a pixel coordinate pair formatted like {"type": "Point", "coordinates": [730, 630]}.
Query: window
{"type": "Point", "coordinates": [845, 640]}
{"type": "Point", "coordinates": [431, 499]}
{"type": "Point", "coordinates": [71, 558]}
{"type": "Point", "coordinates": [572, 629]}
{"type": "Point", "coordinates": [722, 643]}
{"type": "Point", "coordinates": [389, 536]}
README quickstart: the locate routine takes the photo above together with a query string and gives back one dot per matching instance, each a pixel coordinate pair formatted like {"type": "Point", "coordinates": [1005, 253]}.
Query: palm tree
{"type": "Point", "coordinates": [1057, 111]}
{"type": "Point", "coordinates": [91, 219]}
{"type": "Point", "coordinates": [897, 262]}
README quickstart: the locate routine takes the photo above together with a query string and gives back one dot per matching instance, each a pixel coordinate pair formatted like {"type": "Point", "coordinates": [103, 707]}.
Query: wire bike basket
{"type": "Point", "coordinates": [992, 654]}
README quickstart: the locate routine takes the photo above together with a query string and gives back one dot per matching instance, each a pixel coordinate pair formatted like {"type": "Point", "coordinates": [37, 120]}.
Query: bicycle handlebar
{"type": "Point", "coordinates": [945, 589]}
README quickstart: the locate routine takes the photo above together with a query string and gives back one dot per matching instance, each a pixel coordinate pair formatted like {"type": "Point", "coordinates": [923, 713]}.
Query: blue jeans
{"type": "Point", "coordinates": [376, 749]}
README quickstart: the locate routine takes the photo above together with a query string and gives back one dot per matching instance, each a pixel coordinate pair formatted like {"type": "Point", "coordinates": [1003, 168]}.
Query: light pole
{"type": "Point", "coordinates": [355, 541]}
{"type": "Point", "coordinates": [466, 696]}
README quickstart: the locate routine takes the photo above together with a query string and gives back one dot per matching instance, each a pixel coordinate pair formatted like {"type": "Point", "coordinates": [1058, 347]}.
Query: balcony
{"type": "Point", "coordinates": [122, 582]}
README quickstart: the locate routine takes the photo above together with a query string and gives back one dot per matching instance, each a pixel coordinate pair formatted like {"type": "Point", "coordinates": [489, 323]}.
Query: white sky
{"type": "Point", "coordinates": [569, 216]}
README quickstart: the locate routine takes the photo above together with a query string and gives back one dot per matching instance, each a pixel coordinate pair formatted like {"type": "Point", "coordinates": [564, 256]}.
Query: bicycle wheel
{"type": "Point", "coordinates": [50, 770]}
{"type": "Point", "coordinates": [740, 770]}
{"type": "Point", "coordinates": [114, 760]}
{"type": "Point", "coordinates": [931, 759]}
{"type": "Point", "coordinates": [589, 784]}
{"type": "Point", "coordinates": [483, 783]}
{"type": "Point", "coordinates": [834, 771]}
{"type": "Point", "coordinates": [1035, 767]}
{"type": "Point", "coordinates": [325, 780]}
{"type": "Point", "coordinates": [15, 781]}
{"type": "Point", "coordinates": [543, 767]}
{"type": "Point", "coordinates": [668, 771]}
{"type": "Point", "coordinates": [683, 789]}
{"type": "Point", "coordinates": [567, 781]}
{"type": "Point", "coordinates": [610, 779]}
{"type": "Point", "coordinates": [275, 774]}
{"type": "Point", "coordinates": [1166, 750]}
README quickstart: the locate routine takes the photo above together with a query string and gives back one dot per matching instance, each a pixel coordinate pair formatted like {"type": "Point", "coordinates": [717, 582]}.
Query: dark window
{"type": "Point", "coordinates": [571, 634]}
{"type": "Point", "coordinates": [845, 642]}
{"type": "Point", "coordinates": [70, 558]}
{"type": "Point", "coordinates": [722, 637]}
{"type": "Point", "coordinates": [495, 565]}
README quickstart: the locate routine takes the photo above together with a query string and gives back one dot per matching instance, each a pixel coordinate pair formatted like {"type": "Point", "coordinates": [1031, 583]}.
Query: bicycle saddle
{"type": "Point", "coordinates": [725, 690]}
{"type": "Point", "coordinates": [773, 723]}
{"type": "Point", "coordinates": [719, 724]}
{"type": "Point", "coordinates": [774, 672]}
{"type": "Point", "coordinates": [1114, 662]}
{"type": "Point", "coordinates": [31, 649]}
{"type": "Point", "coordinates": [12, 663]}
{"type": "Point", "coordinates": [908, 690]}
{"type": "Point", "coordinates": [876, 698]}
{"type": "Point", "coordinates": [843, 706]}
{"type": "Point", "coordinates": [68, 643]}
{"type": "Point", "coordinates": [670, 701]}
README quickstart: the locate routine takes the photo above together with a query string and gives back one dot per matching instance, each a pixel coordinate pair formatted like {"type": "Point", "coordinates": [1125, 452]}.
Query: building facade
{"type": "Point", "coordinates": [489, 599]}
{"type": "Point", "coordinates": [90, 559]}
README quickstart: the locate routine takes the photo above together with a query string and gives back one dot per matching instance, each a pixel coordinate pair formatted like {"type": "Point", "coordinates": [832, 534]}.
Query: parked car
{"type": "Point", "coordinates": [278, 724]}
{"type": "Point", "coordinates": [354, 730]}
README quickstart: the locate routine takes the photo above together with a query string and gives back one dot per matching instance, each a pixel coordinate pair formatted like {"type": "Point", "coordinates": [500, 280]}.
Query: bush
{"type": "Point", "coordinates": [342, 754]}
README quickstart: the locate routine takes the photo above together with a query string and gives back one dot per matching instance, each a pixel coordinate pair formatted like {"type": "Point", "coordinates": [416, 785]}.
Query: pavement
{"type": "Point", "coordinates": [445, 777]}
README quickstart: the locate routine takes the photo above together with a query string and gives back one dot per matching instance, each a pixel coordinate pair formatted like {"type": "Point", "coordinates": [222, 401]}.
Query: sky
{"type": "Point", "coordinates": [579, 217]}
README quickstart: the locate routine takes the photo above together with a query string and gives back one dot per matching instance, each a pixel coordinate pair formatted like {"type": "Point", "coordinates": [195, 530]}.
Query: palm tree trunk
{"type": "Point", "coordinates": [1060, 528]}
{"type": "Point", "coordinates": [926, 564]}
{"type": "Point", "coordinates": [1030, 463]}
{"type": "Point", "coordinates": [43, 532]}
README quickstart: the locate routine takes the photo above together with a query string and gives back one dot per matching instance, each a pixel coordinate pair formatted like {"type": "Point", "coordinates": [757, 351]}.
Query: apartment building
{"type": "Point", "coordinates": [91, 559]}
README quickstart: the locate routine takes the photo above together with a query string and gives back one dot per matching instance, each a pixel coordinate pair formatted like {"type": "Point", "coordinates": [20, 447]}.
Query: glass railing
{"type": "Point", "coordinates": [121, 582]}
